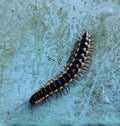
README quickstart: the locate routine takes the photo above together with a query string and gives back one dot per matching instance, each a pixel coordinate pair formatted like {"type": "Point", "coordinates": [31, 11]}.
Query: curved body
{"type": "Point", "coordinates": [71, 71]}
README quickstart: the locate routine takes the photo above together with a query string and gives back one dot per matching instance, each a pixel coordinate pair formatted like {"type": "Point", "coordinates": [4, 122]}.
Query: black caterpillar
{"type": "Point", "coordinates": [79, 60]}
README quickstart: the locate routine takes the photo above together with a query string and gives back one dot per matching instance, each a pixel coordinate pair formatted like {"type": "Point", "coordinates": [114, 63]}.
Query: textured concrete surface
{"type": "Point", "coordinates": [36, 39]}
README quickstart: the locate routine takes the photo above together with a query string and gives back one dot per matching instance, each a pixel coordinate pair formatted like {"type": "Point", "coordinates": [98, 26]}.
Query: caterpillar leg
{"type": "Point", "coordinates": [65, 90]}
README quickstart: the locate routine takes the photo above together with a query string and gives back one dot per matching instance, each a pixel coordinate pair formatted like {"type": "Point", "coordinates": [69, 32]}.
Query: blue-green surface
{"type": "Point", "coordinates": [36, 39]}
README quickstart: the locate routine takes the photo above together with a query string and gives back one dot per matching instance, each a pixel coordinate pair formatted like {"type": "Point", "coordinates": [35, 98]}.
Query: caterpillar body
{"type": "Point", "coordinates": [78, 62]}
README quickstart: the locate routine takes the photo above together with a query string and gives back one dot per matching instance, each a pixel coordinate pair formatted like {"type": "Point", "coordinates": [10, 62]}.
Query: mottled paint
{"type": "Point", "coordinates": [36, 39]}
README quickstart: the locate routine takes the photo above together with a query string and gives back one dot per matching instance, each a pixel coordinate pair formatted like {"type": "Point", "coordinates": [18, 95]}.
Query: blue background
{"type": "Point", "coordinates": [36, 39]}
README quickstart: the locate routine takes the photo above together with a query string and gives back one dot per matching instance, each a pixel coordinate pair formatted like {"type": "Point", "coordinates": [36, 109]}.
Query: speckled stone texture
{"type": "Point", "coordinates": [36, 39]}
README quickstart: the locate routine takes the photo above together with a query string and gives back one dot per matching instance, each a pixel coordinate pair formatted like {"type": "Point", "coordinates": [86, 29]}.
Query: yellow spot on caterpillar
{"type": "Point", "coordinates": [89, 40]}
{"type": "Point", "coordinates": [56, 90]}
{"type": "Point", "coordinates": [71, 64]}
{"type": "Point", "coordinates": [87, 52]}
{"type": "Point", "coordinates": [46, 95]}
{"type": "Point", "coordinates": [55, 79]}
{"type": "Point", "coordinates": [51, 81]}
{"type": "Point", "coordinates": [73, 60]}
{"type": "Point", "coordinates": [88, 46]}
{"type": "Point", "coordinates": [85, 58]}
{"type": "Point", "coordinates": [60, 76]}
{"type": "Point", "coordinates": [83, 64]}
{"type": "Point", "coordinates": [65, 84]}
{"type": "Point", "coordinates": [79, 70]}
{"type": "Point", "coordinates": [77, 49]}
{"type": "Point", "coordinates": [51, 93]}
{"type": "Point", "coordinates": [76, 55]}
{"type": "Point", "coordinates": [67, 68]}
{"type": "Point", "coordinates": [39, 101]}
{"type": "Point", "coordinates": [36, 102]}
{"type": "Point", "coordinates": [75, 75]}
{"type": "Point", "coordinates": [64, 72]}
{"type": "Point", "coordinates": [42, 98]}
{"type": "Point", "coordinates": [70, 80]}
{"type": "Point", "coordinates": [60, 87]}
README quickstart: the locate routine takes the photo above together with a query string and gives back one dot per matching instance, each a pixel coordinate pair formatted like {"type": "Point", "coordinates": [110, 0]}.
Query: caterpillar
{"type": "Point", "coordinates": [79, 61]}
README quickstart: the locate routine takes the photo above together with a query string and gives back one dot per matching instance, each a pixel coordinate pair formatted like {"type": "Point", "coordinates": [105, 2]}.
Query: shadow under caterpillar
{"type": "Point", "coordinates": [78, 66]}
